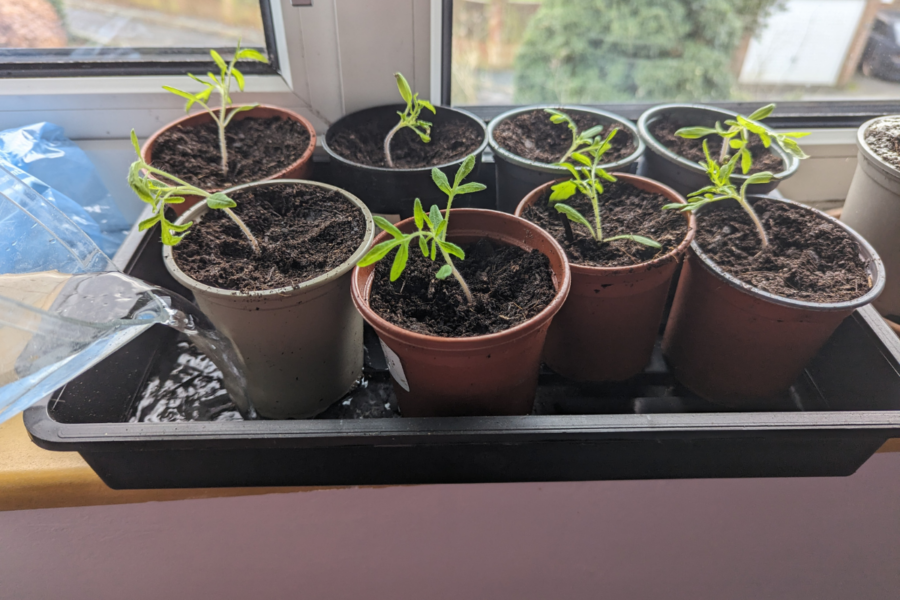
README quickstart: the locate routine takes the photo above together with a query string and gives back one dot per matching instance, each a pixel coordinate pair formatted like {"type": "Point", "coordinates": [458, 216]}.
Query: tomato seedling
{"type": "Point", "coordinates": [409, 117]}
{"type": "Point", "coordinates": [579, 139]}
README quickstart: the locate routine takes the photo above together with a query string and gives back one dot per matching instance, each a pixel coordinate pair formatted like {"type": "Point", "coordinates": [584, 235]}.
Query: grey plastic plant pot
{"type": "Point", "coordinates": [517, 176]}
{"type": "Point", "coordinates": [739, 346]}
{"type": "Point", "coordinates": [393, 191]}
{"type": "Point", "coordinates": [303, 345]}
{"type": "Point", "coordinates": [686, 176]}
{"type": "Point", "coordinates": [873, 209]}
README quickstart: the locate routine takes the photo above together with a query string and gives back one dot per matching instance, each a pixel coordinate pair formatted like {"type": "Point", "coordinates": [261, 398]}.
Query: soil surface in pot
{"type": "Point", "coordinates": [257, 148]}
{"type": "Point", "coordinates": [533, 136]}
{"type": "Point", "coordinates": [304, 231]}
{"type": "Point", "coordinates": [624, 209]}
{"type": "Point", "coordinates": [883, 138]}
{"type": "Point", "coordinates": [452, 139]}
{"type": "Point", "coordinates": [664, 128]}
{"type": "Point", "coordinates": [808, 258]}
{"type": "Point", "coordinates": [510, 285]}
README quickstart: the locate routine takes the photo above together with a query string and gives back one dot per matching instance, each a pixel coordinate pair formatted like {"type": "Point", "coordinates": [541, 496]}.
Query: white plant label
{"type": "Point", "coordinates": [395, 366]}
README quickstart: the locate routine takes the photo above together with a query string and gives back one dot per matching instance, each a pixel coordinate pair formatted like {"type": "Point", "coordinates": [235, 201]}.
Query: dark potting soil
{"type": "Point", "coordinates": [303, 230]}
{"type": "Point", "coordinates": [452, 138]}
{"type": "Point", "coordinates": [533, 136]}
{"type": "Point", "coordinates": [883, 138]}
{"type": "Point", "coordinates": [625, 209]}
{"type": "Point", "coordinates": [808, 258]}
{"type": "Point", "coordinates": [257, 148]}
{"type": "Point", "coordinates": [509, 284]}
{"type": "Point", "coordinates": [664, 128]}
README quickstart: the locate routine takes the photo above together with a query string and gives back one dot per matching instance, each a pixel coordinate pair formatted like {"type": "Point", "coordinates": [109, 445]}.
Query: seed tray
{"type": "Point", "coordinates": [841, 410]}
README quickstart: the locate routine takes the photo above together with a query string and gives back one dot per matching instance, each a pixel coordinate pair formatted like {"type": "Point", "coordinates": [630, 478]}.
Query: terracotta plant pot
{"type": "Point", "coordinates": [303, 345]}
{"type": "Point", "coordinates": [492, 374]}
{"type": "Point", "coordinates": [873, 209]}
{"type": "Point", "coordinates": [517, 176]}
{"type": "Point", "coordinates": [299, 169]}
{"type": "Point", "coordinates": [686, 176]}
{"type": "Point", "coordinates": [393, 191]}
{"type": "Point", "coordinates": [606, 329]}
{"type": "Point", "coordinates": [735, 344]}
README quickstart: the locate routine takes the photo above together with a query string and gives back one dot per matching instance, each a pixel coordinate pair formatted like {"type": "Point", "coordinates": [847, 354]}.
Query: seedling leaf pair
{"type": "Point", "coordinates": [579, 139]}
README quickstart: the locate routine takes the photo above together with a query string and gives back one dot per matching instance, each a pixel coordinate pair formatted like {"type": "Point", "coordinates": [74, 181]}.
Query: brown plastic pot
{"type": "Point", "coordinates": [606, 329]}
{"type": "Point", "coordinates": [737, 345]}
{"type": "Point", "coordinates": [492, 374]}
{"type": "Point", "coordinates": [299, 169]}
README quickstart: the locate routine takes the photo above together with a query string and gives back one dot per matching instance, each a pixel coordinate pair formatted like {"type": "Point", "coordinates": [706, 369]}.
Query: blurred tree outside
{"type": "Point", "coordinates": [638, 50]}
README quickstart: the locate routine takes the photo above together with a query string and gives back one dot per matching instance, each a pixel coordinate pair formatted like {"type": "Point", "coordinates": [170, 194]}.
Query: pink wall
{"type": "Point", "coordinates": [798, 539]}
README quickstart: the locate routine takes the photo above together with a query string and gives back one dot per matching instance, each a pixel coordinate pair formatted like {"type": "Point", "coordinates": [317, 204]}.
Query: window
{"type": "Point", "coordinates": [53, 38]}
{"type": "Point", "coordinates": [812, 56]}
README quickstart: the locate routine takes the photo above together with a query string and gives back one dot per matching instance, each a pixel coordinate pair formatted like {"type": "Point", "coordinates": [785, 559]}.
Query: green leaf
{"type": "Point", "coordinates": [574, 216]}
{"type": "Point", "coordinates": [444, 272]}
{"type": "Point", "coordinates": [238, 77]}
{"type": "Point", "coordinates": [464, 169]}
{"type": "Point", "coordinates": [134, 142]}
{"type": "Point", "coordinates": [435, 216]}
{"type": "Point", "coordinates": [693, 133]}
{"type": "Point", "coordinates": [182, 227]}
{"type": "Point", "coordinates": [418, 214]}
{"type": "Point", "coordinates": [378, 252]}
{"type": "Point", "coordinates": [220, 200]}
{"type": "Point", "coordinates": [403, 86]}
{"type": "Point", "coordinates": [607, 176]}
{"type": "Point", "coordinates": [761, 113]}
{"type": "Point", "coordinates": [746, 160]}
{"type": "Point", "coordinates": [400, 261]}
{"type": "Point", "coordinates": [440, 179]}
{"type": "Point", "coordinates": [593, 132]}
{"type": "Point", "coordinates": [178, 92]}
{"type": "Point", "coordinates": [451, 248]}
{"type": "Point", "coordinates": [428, 105]}
{"type": "Point", "coordinates": [433, 250]}
{"type": "Point", "coordinates": [764, 177]}
{"type": "Point", "coordinates": [387, 226]}
{"type": "Point", "coordinates": [148, 223]}
{"type": "Point", "coordinates": [563, 191]}
{"type": "Point", "coordinates": [581, 158]}
{"type": "Point", "coordinates": [470, 188]}
{"type": "Point", "coordinates": [796, 134]}
{"type": "Point", "coordinates": [637, 238]}
{"type": "Point", "coordinates": [423, 245]}
{"type": "Point", "coordinates": [251, 54]}
{"type": "Point", "coordinates": [675, 206]}
{"type": "Point", "coordinates": [173, 200]}
{"type": "Point", "coordinates": [219, 61]}
{"type": "Point", "coordinates": [571, 169]}
{"type": "Point", "coordinates": [442, 226]}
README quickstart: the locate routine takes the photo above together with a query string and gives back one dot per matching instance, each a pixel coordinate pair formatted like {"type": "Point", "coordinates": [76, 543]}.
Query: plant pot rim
{"type": "Point", "coordinates": [669, 256]}
{"type": "Point", "coordinates": [306, 156]}
{"type": "Point", "coordinates": [335, 156]}
{"type": "Point", "coordinates": [361, 298]}
{"type": "Point", "coordinates": [884, 166]}
{"type": "Point", "coordinates": [200, 208]}
{"type": "Point", "coordinates": [791, 163]}
{"type": "Point", "coordinates": [876, 267]}
{"type": "Point", "coordinates": [547, 167]}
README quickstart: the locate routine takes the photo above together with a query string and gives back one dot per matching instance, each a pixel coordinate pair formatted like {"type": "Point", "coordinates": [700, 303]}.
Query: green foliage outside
{"type": "Point", "coordinates": [637, 50]}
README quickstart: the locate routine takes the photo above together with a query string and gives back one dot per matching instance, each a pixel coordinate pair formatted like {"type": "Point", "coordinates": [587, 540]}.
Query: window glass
{"type": "Point", "coordinates": [611, 51]}
{"type": "Point", "coordinates": [125, 29]}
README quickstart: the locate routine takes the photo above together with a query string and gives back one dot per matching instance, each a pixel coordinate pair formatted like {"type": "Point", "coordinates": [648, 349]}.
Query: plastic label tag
{"type": "Point", "coordinates": [395, 366]}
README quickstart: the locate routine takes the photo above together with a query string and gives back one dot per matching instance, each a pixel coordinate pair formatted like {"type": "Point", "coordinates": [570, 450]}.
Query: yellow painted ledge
{"type": "Point", "coordinates": [31, 477]}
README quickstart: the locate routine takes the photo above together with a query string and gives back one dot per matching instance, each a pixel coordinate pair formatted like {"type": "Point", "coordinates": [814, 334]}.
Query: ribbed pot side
{"type": "Point", "coordinates": [494, 374]}
{"type": "Point", "coordinates": [607, 328]}
{"type": "Point", "coordinates": [734, 344]}
{"type": "Point", "coordinates": [302, 346]}
{"type": "Point", "coordinates": [299, 169]}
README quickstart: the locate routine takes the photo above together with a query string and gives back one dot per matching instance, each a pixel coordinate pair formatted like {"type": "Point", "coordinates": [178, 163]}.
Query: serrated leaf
{"type": "Point", "coordinates": [693, 133]}
{"type": "Point", "coordinates": [386, 225]}
{"type": "Point", "coordinates": [400, 261]}
{"type": "Point", "coordinates": [440, 180]}
{"type": "Point", "coordinates": [378, 252]}
{"type": "Point", "coordinates": [451, 248]}
{"type": "Point", "coordinates": [444, 272]}
{"type": "Point", "coordinates": [563, 191]}
{"type": "Point", "coordinates": [470, 188]}
{"type": "Point", "coordinates": [251, 54]}
{"type": "Point", "coordinates": [574, 216]}
{"type": "Point", "coordinates": [220, 200]}
{"type": "Point", "coordinates": [762, 113]}
{"type": "Point", "coordinates": [464, 169]}
{"type": "Point", "coordinates": [403, 86]}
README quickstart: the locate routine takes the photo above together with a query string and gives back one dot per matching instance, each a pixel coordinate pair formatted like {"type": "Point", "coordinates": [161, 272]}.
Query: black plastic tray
{"type": "Point", "coordinates": [843, 408]}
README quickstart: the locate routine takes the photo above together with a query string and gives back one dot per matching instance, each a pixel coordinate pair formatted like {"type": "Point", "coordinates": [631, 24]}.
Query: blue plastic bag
{"type": "Point", "coordinates": [42, 157]}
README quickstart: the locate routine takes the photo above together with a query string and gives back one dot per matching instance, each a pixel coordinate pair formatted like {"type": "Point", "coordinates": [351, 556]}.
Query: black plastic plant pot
{"type": "Point", "coordinates": [393, 191]}
{"type": "Point", "coordinates": [687, 176]}
{"type": "Point", "coordinates": [517, 176]}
